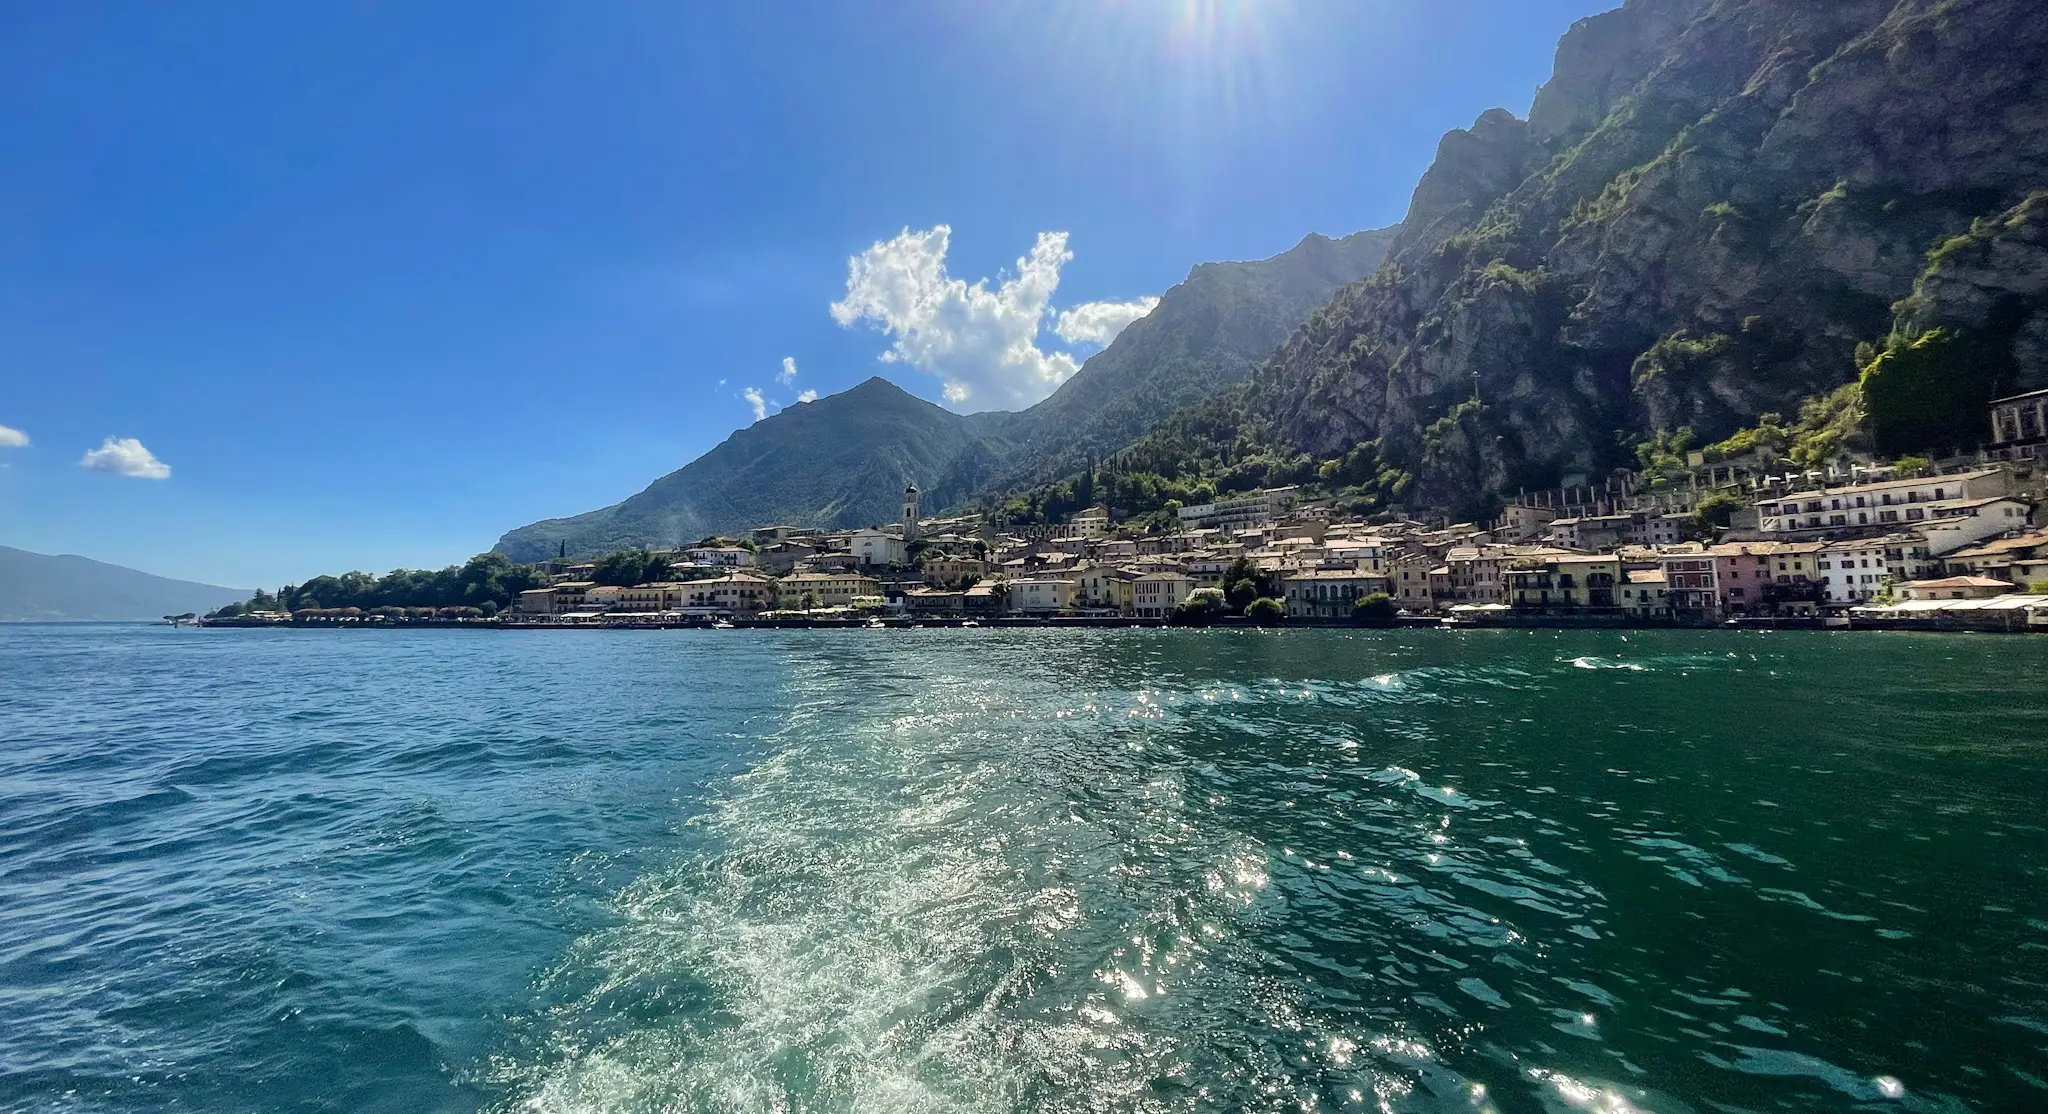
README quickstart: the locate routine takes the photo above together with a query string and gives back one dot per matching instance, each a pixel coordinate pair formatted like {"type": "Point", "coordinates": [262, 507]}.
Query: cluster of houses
{"type": "Point", "coordinates": [1808, 543]}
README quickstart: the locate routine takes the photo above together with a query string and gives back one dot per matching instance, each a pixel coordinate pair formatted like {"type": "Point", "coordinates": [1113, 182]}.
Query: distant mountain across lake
{"type": "Point", "coordinates": [39, 586]}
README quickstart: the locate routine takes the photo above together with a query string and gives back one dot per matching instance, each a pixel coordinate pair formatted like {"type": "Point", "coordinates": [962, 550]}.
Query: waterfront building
{"type": "Point", "coordinates": [1328, 593]}
{"type": "Point", "coordinates": [536, 601]}
{"type": "Point", "coordinates": [1756, 577]}
{"type": "Point", "coordinates": [1851, 572]}
{"type": "Point", "coordinates": [1692, 583]}
{"type": "Point", "coordinates": [934, 601]}
{"type": "Point", "coordinates": [1408, 581]}
{"type": "Point", "coordinates": [1953, 588]}
{"type": "Point", "coordinates": [2021, 559]}
{"type": "Point", "coordinates": [1906, 557]}
{"type": "Point", "coordinates": [738, 594]}
{"type": "Point", "coordinates": [663, 595]}
{"type": "Point", "coordinates": [985, 598]}
{"type": "Point", "coordinates": [1645, 593]}
{"type": "Point", "coordinates": [1475, 574]}
{"type": "Point", "coordinates": [1104, 586]}
{"type": "Point", "coordinates": [1567, 580]}
{"type": "Point", "coordinates": [1041, 596]}
{"type": "Point", "coordinates": [833, 589]}
{"type": "Point", "coordinates": [1155, 595]}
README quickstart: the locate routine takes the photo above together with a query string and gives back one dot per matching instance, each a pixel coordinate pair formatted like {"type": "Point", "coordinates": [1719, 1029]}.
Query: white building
{"type": "Point", "coordinates": [1966, 523]}
{"type": "Point", "coordinates": [1256, 508]}
{"type": "Point", "coordinates": [1091, 523]}
{"type": "Point", "coordinates": [1852, 572]}
{"type": "Point", "coordinates": [721, 556]}
{"type": "Point", "coordinates": [1041, 596]}
{"type": "Point", "coordinates": [1156, 595]}
{"type": "Point", "coordinates": [1887, 503]}
{"type": "Point", "coordinates": [877, 547]}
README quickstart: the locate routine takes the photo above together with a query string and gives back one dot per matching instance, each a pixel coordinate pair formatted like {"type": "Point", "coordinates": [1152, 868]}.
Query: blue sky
{"type": "Point", "coordinates": [374, 283]}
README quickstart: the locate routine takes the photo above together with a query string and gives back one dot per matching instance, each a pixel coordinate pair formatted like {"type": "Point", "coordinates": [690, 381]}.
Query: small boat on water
{"type": "Point", "coordinates": [875, 624]}
{"type": "Point", "coordinates": [971, 623]}
{"type": "Point", "coordinates": [721, 625]}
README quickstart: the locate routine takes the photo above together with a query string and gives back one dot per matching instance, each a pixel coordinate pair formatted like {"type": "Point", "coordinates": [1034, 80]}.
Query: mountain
{"type": "Point", "coordinates": [1716, 209]}
{"type": "Point", "coordinates": [842, 461]}
{"type": "Point", "coordinates": [35, 586]}
{"type": "Point", "coordinates": [1209, 332]}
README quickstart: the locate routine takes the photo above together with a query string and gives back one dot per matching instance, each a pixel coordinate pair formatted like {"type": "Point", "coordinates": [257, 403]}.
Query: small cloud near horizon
{"type": "Point", "coordinates": [125, 456]}
{"type": "Point", "coordinates": [11, 438]}
{"type": "Point", "coordinates": [807, 396]}
{"type": "Point", "coordinates": [788, 373]}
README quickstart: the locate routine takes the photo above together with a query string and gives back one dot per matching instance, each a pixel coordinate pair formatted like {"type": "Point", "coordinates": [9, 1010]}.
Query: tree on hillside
{"type": "Point", "coordinates": [628, 567]}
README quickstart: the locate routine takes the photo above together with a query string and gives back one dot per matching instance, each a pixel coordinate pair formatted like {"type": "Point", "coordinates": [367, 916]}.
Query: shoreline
{"type": "Point", "coordinates": [1976, 623]}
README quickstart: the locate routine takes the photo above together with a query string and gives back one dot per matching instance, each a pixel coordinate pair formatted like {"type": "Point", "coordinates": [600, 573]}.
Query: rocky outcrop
{"type": "Point", "coordinates": [1600, 60]}
{"type": "Point", "coordinates": [1472, 170]}
{"type": "Point", "coordinates": [1717, 203]}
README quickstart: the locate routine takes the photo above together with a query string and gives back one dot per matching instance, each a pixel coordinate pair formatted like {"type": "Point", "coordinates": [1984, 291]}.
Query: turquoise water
{"type": "Point", "coordinates": [989, 870]}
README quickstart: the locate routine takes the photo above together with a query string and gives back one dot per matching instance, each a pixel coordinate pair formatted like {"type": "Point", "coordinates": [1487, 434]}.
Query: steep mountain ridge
{"type": "Point", "coordinates": [1695, 246]}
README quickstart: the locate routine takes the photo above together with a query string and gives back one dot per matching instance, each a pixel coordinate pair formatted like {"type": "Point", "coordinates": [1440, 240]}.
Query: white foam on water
{"type": "Point", "coordinates": [912, 912]}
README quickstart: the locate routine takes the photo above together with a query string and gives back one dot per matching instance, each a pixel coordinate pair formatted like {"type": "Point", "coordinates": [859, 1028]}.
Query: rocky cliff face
{"type": "Point", "coordinates": [1711, 206]}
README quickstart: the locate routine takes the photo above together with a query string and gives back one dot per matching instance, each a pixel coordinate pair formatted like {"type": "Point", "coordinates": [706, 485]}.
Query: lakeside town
{"type": "Point", "coordinates": [1952, 543]}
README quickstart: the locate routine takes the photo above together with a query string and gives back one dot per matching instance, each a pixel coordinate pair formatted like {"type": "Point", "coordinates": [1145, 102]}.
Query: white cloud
{"type": "Point", "coordinates": [807, 396]}
{"type": "Point", "coordinates": [788, 374]}
{"type": "Point", "coordinates": [1100, 322]}
{"type": "Point", "coordinates": [754, 399]}
{"type": "Point", "coordinates": [125, 456]}
{"type": "Point", "coordinates": [12, 438]}
{"type": "Point", "coordinates": [981, 343]}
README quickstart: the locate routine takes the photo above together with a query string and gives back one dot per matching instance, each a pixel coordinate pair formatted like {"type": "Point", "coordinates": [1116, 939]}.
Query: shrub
{"type": "Point", "coordinates": [1376, 607]}
{"type": "Point", "coordinates": [1265, 611]}
{"type": "Point", "coordinates": [1202, 607]}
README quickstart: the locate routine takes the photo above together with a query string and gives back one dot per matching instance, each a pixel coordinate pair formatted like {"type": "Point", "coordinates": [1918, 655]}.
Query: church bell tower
{"type": "Point", "coordinates": [909, 514]}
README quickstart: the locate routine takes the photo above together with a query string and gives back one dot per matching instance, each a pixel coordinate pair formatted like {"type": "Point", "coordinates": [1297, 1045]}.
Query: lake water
{"type": "Point", "coordinates": [983, 870]}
